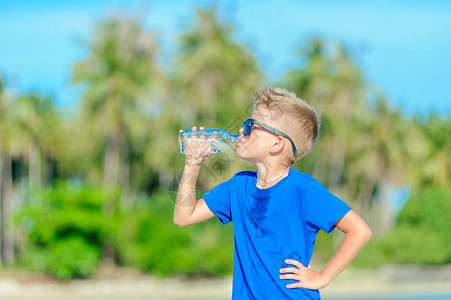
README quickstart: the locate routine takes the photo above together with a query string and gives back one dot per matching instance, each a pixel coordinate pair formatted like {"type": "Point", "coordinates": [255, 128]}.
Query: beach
{"type": "Point", "coordinates": [113, 283]}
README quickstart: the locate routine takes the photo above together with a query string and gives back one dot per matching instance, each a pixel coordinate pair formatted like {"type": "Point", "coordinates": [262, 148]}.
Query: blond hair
{"type": "Point", "coordinates": [292, 115]}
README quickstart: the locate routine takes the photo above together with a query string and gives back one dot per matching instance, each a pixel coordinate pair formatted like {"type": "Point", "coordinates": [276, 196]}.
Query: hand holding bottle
{"type": "Point", "coordinates": [205, 141]}
{"type": "Point", "coordinates": [196, 148]}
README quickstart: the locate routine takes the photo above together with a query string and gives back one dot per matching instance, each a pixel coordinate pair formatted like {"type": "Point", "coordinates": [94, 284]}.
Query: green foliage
{"type": "Point", "coordinates": [149, 240]}
{"type": "Point", "coordinates": [66, 258]}
{"type": "Point", "coordinates": [420, 237]}
{"type": "Point", "coordinates": [429, 209]}
{"type": "Point", "coordinates": [414, 245]}
{"type": "Point", "coordinates": [65, 229]}
{"type": "Point", "coordinates": [423, 231]}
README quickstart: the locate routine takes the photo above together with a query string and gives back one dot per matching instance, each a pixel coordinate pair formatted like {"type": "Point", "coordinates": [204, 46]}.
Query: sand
{"type": "Point", "coordinates": [112, 283]}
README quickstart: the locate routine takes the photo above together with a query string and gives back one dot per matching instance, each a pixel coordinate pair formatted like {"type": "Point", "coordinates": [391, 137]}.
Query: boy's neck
{"type": "Point", "coordinates": [268, 175]}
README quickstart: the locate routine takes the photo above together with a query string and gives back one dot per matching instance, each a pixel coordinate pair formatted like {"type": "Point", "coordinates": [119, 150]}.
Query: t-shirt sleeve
{"type": "Point", "coordinates": [323, 209]}
{"type": "Point", "coordinates": [218, 201]}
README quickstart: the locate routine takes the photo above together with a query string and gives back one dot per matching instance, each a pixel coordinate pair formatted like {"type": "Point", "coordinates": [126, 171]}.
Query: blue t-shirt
{"type": "Point", "coordinates": [272, 225]}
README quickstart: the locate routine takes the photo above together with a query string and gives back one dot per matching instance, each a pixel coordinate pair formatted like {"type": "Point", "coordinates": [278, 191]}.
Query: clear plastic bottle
{"type": "Point", "coordinates": [215, 140]}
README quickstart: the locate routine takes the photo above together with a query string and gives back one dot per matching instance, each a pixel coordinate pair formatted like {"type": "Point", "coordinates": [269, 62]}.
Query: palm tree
{"type": "Point", "coordinates": [347, 103]}
{"type": "Point", "coordinates": [28, 138]}
{"type": "Point", "coordinates": [33, 117]}
{"type": "Point", "coordinates": [331, 82]}
{"type": "Point", "coordinates": [309, 79]}
{"type": "Point", "coordinates": [121, 80]}
{"type": "Point", "coordinates": [435, 170]}
{"type": "Point", "coordinates": [382, 159]}
{"type": "Point", "coordinates": [214, 72]}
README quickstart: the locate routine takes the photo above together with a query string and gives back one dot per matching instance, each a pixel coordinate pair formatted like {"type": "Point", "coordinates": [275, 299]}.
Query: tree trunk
{"type": "Point", "coordinates": [337, 162]}
{"type": "Point", "coordinates": [6, 230]}
{"type": "Point", "coordinates": [339, 143]}
{"type": "Point", "coordinates": [386, 216]}
{"type": "Point", "coordinates": [127, 196]}
{"type": "Point", "coordinates": [34, 167]}
{"type": "Point", "coordinates": [110, 173]}
{"type": "Point", "coordinates": [366, 196]}
{"type": "Point", "coordinates": [111, 164]}
{"type": "Point", "coordinates": [113, 169]}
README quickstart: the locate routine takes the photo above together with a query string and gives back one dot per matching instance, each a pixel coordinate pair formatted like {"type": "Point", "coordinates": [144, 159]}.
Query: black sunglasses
{"type": "Point", "coordinates": [249, 124]}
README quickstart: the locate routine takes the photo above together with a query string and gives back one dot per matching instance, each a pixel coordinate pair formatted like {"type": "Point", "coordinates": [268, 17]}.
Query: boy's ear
{"type": "Point", "coordinates": [278, 145]}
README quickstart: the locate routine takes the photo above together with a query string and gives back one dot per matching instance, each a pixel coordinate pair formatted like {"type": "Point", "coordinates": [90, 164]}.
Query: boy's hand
{"type": "Point", "coordinates": [306, 277]}
{"type": "Point", "coordinates": [197, 149]}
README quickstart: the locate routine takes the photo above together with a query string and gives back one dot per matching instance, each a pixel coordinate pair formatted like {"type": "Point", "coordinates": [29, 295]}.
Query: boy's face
{"type": "Point", "coordinates": [256, 146]}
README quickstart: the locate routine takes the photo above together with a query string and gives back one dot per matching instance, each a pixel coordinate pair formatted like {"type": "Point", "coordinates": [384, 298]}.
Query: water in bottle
{"type": "Point", "coordinates": [215, 140]}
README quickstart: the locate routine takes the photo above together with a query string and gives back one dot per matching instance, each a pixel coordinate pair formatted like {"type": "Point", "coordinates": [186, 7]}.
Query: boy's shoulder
{"type": "Point", "coordinates": [301, 175]}
{"type": "Point", "coordinates": [301, 180]}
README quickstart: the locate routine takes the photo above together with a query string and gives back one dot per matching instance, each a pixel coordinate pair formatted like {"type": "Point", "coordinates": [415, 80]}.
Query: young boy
{"type": "Point", "coordinates": [276, 211]}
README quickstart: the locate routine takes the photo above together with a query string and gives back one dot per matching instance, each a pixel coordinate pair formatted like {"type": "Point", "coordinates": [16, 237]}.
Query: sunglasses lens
{"type": "Point", "coordinates": [247, 127]}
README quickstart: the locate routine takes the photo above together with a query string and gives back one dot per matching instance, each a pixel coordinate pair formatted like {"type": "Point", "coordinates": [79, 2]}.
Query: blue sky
{"type": "Point", "coordinates": [403, 46]}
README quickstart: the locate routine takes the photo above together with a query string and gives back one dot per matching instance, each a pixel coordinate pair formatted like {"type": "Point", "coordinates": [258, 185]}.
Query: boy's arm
{"type": "Point", "coordinates": [357, 234]}
{"type": "Point", "coordinates": [187, 209]}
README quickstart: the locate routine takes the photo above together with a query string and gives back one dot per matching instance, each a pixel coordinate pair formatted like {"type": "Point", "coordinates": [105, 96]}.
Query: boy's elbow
{"type": "Point", "coordinates": [180, 222]}
{"type": "Point", "coordinates": [366, 234]}
{"type": "Point", "coordinates": [362, 233]}
{"type": "Point", "coordinates": [370, 233]}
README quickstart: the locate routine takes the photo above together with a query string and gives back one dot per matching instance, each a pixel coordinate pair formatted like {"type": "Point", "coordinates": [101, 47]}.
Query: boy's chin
{"type": "Point", "coordinates": [240, 154]}
{"type": "Point", "coordinates": [243, 156]}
